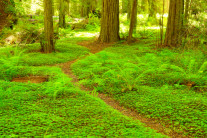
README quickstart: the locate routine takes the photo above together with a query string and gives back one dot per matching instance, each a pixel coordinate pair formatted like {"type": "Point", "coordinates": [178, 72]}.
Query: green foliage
{"type": "Point", "coordinates": [184, 111]}
{"type": "Point", "coordinates": [65, 52]}
{"type": "Point", "coordinates": [9, 64]}
{"type": "Point", "coordinates": [169, 85]}
{"type": "Point", "coordinates": [122, 71]}
{"type": "Point", "coordinates": [52, 108]}
{"type": "Point", "coordinates": [93, 23]}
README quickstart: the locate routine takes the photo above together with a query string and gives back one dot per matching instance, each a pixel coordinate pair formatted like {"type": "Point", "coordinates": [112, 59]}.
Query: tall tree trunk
{"type": "Point", "coordinates": [62, 14]}
{"type": "Point", "coordinates": [48, 45]}
{"type": "Point", "coordinates": [175, 23]}
{"type": "Point", "coordinates": [68, 7]}
{"type": "Point", "coordinates": [109, 21]}
{"type": "Point", "coordinates": [84, 5]}
{"type": "Point", "coordinates": [187, 4]}
{"type": "Point", "coordinates": [133, 20]}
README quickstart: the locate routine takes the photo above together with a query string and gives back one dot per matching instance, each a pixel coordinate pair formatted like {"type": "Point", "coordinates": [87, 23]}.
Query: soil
{"type": "Point", "coordinates": [94, 46]}
{"type": "Point", "coordinates": [152, 123]}
{"type": "Point", "coordinates": [32, 79]}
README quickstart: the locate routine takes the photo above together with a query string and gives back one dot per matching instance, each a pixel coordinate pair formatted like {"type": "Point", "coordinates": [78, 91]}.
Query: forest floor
{"type": "Point", "coordinates": [152, 123]}
{"type": "Point", "coordinates": [102, 90]}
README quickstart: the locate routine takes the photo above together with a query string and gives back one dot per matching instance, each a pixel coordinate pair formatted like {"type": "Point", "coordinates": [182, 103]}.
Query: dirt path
{"type": "Point", "coordinates": [152, 123]}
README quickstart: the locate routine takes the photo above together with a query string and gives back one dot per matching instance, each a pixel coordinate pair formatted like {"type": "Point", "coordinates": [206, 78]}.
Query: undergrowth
{"type": "Point", "coordinates": [56, 108]}
{"type": "Point", "coordinates": [166, 84]}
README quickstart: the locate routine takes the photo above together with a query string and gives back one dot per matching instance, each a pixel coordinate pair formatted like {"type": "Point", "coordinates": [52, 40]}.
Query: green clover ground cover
{"type": "Point", "coordinates": [153, 82]}
{"type": "Point", "coordinates": [55, 108]}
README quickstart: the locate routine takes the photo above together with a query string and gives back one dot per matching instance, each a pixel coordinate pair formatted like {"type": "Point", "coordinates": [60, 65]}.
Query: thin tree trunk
{"type": "Point", "coordinates": [162, 22]}
{"type": "Point", "coordinates": [109, 21]}
{"type": "Point", "coordinates": [62, 14]}
{"type": "Point", "coordinates": [133, 21]}
{"type": "Point", "coordinates": [129, 10]}
{"type": "Point", "coordinates": [48, 45]}
{"type": "Point", "coordinates": [68, 7]}
{"type": "Point", "coordinates": [187, 4]}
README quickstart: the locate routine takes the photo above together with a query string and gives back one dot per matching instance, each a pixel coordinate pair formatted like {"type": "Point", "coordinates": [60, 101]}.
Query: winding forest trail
{"type": "Point", "coordinates": [152, 123]}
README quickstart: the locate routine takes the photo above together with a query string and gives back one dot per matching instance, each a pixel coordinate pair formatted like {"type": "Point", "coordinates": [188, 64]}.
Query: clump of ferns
{"type": "Point", "coordinates": [192, 75]}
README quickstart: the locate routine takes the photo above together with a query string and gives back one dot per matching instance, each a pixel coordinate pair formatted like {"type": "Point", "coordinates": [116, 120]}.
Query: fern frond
{"type": "Point", "coordinates": [202, 68]}
{"type": "Point", "coordinates": [191, 65]}
{"type": "Point", "coordinates": [177, 68]}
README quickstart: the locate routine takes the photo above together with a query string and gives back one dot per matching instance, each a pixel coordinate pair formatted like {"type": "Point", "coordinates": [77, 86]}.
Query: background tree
{"type": "Point", "coordinates": [129, 9]}
{"type": "Point", "coordinates": [85, 8]}
{"type": "Point", "coordinates": [187, 6]}
{"type": "Point", "coordinates": [175, 23]}
{"type": "Point", "coordinates": [48, 44]}
{"type": "Point", "coordinates": [109, 21]}
{"type": "Point", "coordinates": [68, 7]}
{"type": "Point", "coordinates": [62, 14]}
{"type": "Point", "coordinates": [124, 6]}
{"type": "Point", "coordinates": [88, 6]}
{"type": "Point", "coordinates": [133, 20]}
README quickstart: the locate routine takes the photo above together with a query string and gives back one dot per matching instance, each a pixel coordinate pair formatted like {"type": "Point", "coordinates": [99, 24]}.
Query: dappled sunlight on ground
{"type": "Point", "coordinates": [85, 34]}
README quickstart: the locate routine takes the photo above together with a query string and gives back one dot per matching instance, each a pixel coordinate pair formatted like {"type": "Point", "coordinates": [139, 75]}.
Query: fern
{"type": "Point", "coordinates": [191, 65]}
{"type": "Point", "coordinates": [203, 68]}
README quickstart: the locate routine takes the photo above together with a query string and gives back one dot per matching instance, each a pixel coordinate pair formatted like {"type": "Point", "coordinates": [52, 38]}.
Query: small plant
{"type": "Point", "coordinates": [10, 63]}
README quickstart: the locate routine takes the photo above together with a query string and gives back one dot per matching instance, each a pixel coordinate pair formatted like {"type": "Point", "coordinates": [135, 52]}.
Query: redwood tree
{"type": "Point", "coordinates": [48, 45]}
{"type": "Point", "coordinates": [109, 21]}
{"type": "Point", "coordinates": [175, 23]}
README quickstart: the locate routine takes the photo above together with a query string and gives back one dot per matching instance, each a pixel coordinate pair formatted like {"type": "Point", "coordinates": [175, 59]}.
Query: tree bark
{"type": "Point", "coordinates": [133, 20]}
{"type": "Point", "coordinates": [48, 45]}
{"type": "Point", "coordinates": [62, 14]}
{"type": "Point", "coordinates": [175, 23]}
{"type": "Point", "coordinates": [68, 7]}
{"type": "Point", "coordinates": [109, 21]}
{"type": "Point", "coordinates": [187, 4]}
